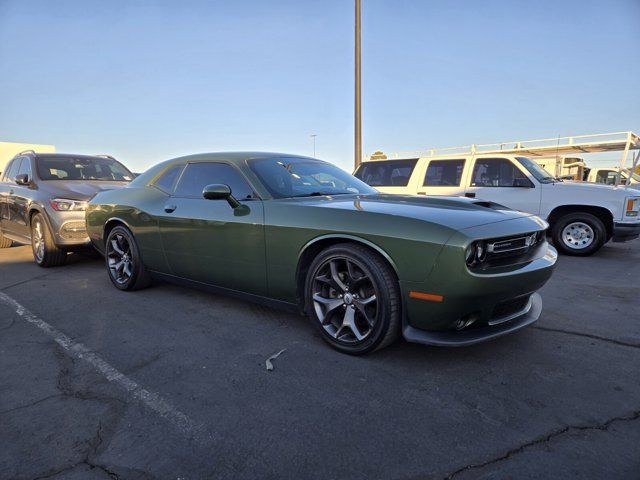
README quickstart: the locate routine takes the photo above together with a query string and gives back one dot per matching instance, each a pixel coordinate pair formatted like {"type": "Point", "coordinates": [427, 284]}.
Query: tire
{"type": "Point", "coordinates": [579, 234]}
{"type": "Point", "coordinates": [4, 241]}
{"type": "Point", "coordinates": [124, 262]}
{"type": "Point", "coordinates": [353, 298]}
{"type": "Point", "coordinates": [45, 252]}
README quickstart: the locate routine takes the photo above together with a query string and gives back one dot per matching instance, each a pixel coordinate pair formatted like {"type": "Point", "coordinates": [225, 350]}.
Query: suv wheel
{"type": "Point", "coordinates": [124, 263]}
{"type": "Point", "coordinates": [45, 251]}
{"type": "Point", "coordinates": [353, 298]}
{"type": "Point", "coordinates": [4, 241]}
{"type": "Point", "coordinates": [579, 234]}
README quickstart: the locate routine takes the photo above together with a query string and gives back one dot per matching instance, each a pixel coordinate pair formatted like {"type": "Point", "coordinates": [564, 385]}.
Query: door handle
{"type": "Point", "coordinates": [170, 208]}
{"type": "Point", "coordinates": [470, 195]}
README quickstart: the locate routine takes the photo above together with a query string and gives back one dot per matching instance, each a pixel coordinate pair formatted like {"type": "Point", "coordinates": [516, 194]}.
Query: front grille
{"type": "Point", "coordinates": [509, 307]}
{"type": "Point", "coordinates": [514, 244]}
{"type": "Point", "coordinates": [505, 251]}
{"type": "Point", "coordinates": [74, 230]}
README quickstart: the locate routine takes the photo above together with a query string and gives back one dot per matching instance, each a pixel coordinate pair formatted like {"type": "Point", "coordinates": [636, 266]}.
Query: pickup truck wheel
{"type": "Point", "coordinates": [579, 234]}
{"type": "Point", "coordinates": [4, 241]}
{"type": "Point", "coordinates": [45, 251]}
{"type": "Point", "coordinates": [353, 298]}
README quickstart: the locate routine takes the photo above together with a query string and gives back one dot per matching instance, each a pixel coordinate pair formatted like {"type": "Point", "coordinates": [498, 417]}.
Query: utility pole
{"type": "Point", "coordinates": [314, 135]}
{"type": "Point", "coordinates": [358, 102]}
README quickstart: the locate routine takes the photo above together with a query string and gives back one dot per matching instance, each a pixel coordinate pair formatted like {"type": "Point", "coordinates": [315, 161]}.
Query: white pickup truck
{"type": "Point", "coordinates": [582, 216]}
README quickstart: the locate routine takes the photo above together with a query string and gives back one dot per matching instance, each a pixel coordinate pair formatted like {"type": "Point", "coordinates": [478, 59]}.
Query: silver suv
{"type": "Point", "coordinates": [43, 198]}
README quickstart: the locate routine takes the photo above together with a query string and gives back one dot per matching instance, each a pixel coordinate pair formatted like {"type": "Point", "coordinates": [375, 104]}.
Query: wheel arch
{"type": "Point", "coordinates": [604, 214]}
{"type": "Point", "coordinates": [111, 224]}
{"type": "Point", "coordinates": [312, 248]}
{"type": "Point", "coordinates": [35, 208]}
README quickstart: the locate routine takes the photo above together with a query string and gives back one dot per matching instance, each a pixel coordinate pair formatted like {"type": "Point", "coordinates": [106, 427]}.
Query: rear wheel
{"type": "Point", "coordinates": [353, 298]}
{"type": "Point", "coordinates": [123, 260]}
{"type": "Point", "coordinates": [579, 234]}
{"type": "Point", "coordinates": [45, 252]}
{"type": "Point", "coordinates": [4, 241]}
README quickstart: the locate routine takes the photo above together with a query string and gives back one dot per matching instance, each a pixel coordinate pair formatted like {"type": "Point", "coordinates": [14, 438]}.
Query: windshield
{"type": "Point", "coordinates": [82, 168]}
{"type": "Point", "coordinates": [536, 170]}
{"type": "Point", "coordinates": [304, 177]}
{"type": "Point", "coordinates": [634, 176]}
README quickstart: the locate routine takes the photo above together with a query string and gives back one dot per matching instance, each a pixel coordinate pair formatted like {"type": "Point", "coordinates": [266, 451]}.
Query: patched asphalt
{"type": "Point", "coordinates": [560, 399]}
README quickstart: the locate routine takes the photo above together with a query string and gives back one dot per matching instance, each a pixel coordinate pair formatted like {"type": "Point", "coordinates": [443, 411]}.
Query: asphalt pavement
{"type": "Point", "coordinates": [170, 383]}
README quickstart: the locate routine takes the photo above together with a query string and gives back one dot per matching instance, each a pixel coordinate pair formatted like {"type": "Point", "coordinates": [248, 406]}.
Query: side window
{"type": "Point", "coordinates": [7, 169]}
{"type": "Point", "coordinates": [12, 171]}
{"type": "Point", "coordinates": [167, 180]}
{"type": "Point", "coordinates": [389, 173]}
{"type": "Point", "coordinates": [607, 176]}
{"type": "Point", "coordinates": [198, 175]}
{"type": "Point", "coordinates": [25, 167]}
{"type": "Point", "coordinates": [444, 173]}
{"type": "Point", "coordinates": [498, 172]}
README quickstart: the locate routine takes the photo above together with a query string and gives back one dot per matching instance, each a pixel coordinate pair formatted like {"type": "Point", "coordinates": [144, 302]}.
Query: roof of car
{"type": "Point", "coordinates": [235, 156]}
{"type": "Point", "coordinates": [65, 155]}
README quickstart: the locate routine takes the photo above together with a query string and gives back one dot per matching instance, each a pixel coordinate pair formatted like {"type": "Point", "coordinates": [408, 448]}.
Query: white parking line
{"type": "Point", "coordinates": [150, 399]}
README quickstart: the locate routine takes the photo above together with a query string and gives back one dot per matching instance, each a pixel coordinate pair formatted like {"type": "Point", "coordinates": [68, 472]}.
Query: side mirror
{"type": "Point", "coordinates": [219, 191]}
{"type": "Point", "coordinates": [22, 179]}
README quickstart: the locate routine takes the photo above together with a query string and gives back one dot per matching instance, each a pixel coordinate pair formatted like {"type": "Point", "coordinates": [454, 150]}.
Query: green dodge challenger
{"type": "Point", "coordinates": [303, 234]}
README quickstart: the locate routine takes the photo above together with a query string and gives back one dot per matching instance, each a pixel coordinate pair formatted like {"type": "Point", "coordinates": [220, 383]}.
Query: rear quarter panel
{"type": "Point", "coordinates": [138, 209]}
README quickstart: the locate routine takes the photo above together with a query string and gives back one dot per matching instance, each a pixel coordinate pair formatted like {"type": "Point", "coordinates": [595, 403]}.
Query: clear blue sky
{"type": "Point", "coordinates": [147, 81]}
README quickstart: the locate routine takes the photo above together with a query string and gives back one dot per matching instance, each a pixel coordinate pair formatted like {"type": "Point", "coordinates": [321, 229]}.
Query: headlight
{"type": "Point", "coordinates": [632, 205]}
{"type": "Point", "coordinates": [66, 205]}
{"type": "Point", "coordinates": [476, 253]}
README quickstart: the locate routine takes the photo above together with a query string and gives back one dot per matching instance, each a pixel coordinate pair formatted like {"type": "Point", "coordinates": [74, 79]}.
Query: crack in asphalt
{"type": "Point", "coordinates": [31, 404]}
{"type": "Point", "coordinates": [544, 439]}
{"type": "Point", "coordinates": [588, 335]}
{"type": "Point", "coordinates": [38, 277]}
{"type": "Point", "coordinates": [102, 438]}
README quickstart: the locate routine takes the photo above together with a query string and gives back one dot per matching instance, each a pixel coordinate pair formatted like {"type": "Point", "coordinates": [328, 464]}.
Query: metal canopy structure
{"type": "Point", "coordinates": [601, 142]}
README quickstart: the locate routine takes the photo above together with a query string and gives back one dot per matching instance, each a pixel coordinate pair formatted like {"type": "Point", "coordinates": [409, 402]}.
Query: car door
{"type": "Point", "coordinates": [19, 201]}
{"type": "Point", "coordinates": [9, 224]}
{"type": "Point", "coordinates": [443, 177]}
{"type": "Point", "coordinates": [503, 181]}
{"type": "Point", "coordinates": [208, 240]}
{"type": "Point", "coordinates": [5, 187]}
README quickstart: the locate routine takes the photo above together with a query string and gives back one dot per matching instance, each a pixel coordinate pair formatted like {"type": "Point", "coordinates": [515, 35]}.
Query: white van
{"type": "Point", "coordinates": [582, 216]}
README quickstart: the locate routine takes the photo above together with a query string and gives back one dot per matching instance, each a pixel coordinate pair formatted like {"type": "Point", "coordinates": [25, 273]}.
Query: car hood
{"type": "Point", "coordinates": [597, 188]}
{"type": "Point", "coordinates": [454, 212]}
{"type": "Point", "coordinates": [79, 190]}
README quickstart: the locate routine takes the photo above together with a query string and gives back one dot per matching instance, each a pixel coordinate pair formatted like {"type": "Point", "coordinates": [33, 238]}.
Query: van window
{"type": "Point", "coordinates": [444, 173]}
{"type": "Point", "coordinates": [498, 172]}
{"type": "Point", "coordinates": [388, 173]}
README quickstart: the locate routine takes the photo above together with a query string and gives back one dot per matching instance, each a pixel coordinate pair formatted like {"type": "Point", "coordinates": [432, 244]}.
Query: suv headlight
{"type": "Point", "coordinates": [66, 205]}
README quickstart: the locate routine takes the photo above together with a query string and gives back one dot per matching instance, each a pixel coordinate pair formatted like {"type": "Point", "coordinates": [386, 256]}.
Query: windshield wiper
{"type": "Point", "coordinates": [321, 194]}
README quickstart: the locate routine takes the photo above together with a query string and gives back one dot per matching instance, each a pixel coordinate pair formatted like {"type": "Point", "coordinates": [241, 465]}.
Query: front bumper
{"type": "Point", "coordinates": [471, 336]}
{"type": "Point", "coordinates": [494, 302]}
{"type": "Point", "coordinates": [69, 228]}
{"type": "Point", "coordinates": [623, 232]}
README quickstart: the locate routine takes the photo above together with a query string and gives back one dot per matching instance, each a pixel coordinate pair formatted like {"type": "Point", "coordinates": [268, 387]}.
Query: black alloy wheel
{"type": "Point", "coordinates": [124, 263]}
{"type": "Point", "coordinates": [354, 298]}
